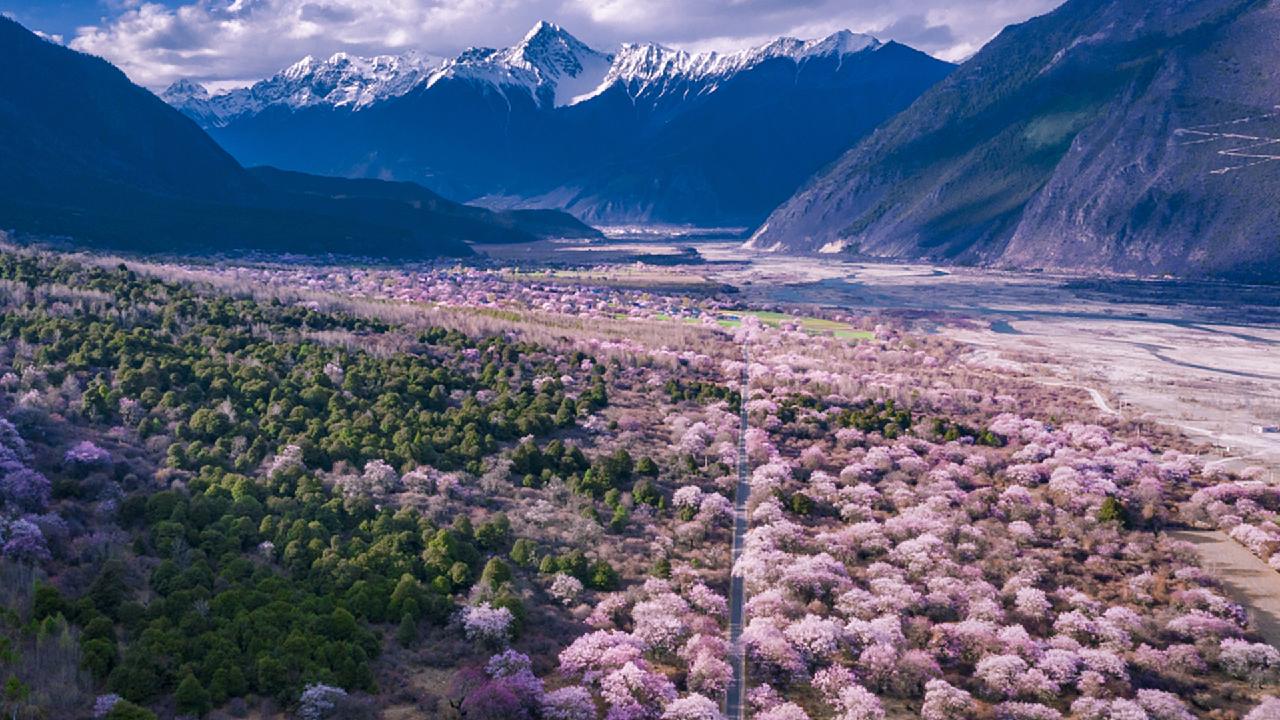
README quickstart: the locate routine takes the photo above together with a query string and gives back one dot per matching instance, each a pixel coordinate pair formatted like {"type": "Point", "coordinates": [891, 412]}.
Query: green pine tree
{"type": "Point", "coordinates": [191, 696]}
{"type": "Point", "coordinates": [407, 633]}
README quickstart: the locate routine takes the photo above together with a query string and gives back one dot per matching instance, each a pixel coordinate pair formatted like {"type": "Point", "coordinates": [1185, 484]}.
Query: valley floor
{"type": "Point", "coordinates": [510, 489]}
{"type": "Point", "coordinates": [1196, 357]}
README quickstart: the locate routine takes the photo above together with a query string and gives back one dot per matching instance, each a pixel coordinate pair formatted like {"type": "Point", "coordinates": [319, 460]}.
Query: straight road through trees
{"type": "Point", "coordinates": [737, 657]}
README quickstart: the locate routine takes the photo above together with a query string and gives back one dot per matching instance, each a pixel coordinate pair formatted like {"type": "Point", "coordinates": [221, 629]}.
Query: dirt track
{"type": "Point", "coordinates": [1249, 580]}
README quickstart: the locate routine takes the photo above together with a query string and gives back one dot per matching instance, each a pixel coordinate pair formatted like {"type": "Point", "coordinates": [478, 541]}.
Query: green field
{"type": "Point", "coordinates": [818, 326]}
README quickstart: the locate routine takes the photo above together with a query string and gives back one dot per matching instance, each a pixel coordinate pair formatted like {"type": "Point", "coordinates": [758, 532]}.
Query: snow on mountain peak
{"type": "Point", "coordinates": [553, 66]}
{"type": "Point", "coordinates": [545, 29]}
{"type": "Point", "coordinates": [300, 69]}
{"type": "Point", "coordinates": [843, 42]}
{"type": "Point", "coordinates": [551, 51]}
{"type": "Point", "coordinates": [184, 91]}
{"type": "Point", "coordinates": [551, 62]}
{"type": "Point", "coordinates": [548, 62]}
{"type": "Point", "coordinates": [644, 68]}
{"type": "Point", "coordinates": [838, 44]}
{"type": "Point", "coordinates": [343, 80]}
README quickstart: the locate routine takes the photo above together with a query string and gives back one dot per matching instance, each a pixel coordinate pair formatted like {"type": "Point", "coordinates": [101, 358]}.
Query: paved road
{"type": "Point", "coordinates": [737, 658]}
{"type": "Point", "coordinates": [1249, 580]}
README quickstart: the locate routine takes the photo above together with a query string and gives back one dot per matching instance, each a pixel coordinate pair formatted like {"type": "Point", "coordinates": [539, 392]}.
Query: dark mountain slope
{"type": "Point", "coordinates": [664, 136]}
{"type": "Point", "coordinates": [1062, 144]}
{"type": "Point", "coordinates": [72, 122]}
{"type": "Point", "coordinates": [455, 138]}
{"type": "Point", "coordinates": [87, 154]}
{"type": "Point", "coordinates": [408, 204]}
{"type": "Point", "coordinates": [731, 155]}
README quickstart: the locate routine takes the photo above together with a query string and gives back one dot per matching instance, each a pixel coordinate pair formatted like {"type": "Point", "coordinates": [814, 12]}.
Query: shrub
{"type": "Point", "coordinates": [125, 710]}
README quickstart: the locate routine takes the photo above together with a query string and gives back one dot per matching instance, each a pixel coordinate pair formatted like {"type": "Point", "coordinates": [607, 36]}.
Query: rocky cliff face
{"type": "Point", "coordinates": [1110, 134]}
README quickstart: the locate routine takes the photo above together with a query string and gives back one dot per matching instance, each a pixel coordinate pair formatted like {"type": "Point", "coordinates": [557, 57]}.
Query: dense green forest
{"type": "Point", "coordinates": [234, 569]}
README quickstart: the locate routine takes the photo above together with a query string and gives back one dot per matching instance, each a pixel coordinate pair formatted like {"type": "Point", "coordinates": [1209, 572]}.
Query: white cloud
{"type": "Point", "coordinates": [225, 41]}
{"type": "Point", "coordinates": [51, 37]}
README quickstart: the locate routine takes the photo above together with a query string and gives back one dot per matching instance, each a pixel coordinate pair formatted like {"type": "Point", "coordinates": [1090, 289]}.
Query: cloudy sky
{"type": "Point", "coordinates": [231, 42]}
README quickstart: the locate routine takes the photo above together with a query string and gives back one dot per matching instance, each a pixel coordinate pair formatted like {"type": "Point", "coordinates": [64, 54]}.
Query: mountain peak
{"type": "Point", "coordinates": [645, 67]}
{"type": "Point", "coordinates": [551, 64]}
{"type": "Point", "coordinates": [839, 44]}
{"type": "Point", "coordinates": [301, 68]}
{"type": "Point", "coordinates": [544, 28]}
{"type": "Point", "coordinates": [552, 51]}
{"type": "Point", "coordinates": [341, 80]}
{"type": "Point", "coordinates": [844, 42]}
{"type": "Point", "coordinates": [184, 90]}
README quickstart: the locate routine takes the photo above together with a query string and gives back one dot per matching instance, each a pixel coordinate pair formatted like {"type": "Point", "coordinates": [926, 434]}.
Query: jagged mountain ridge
{"type": "Point", "coordinates": [548, 60]}
{"type": "Point", "coordinates": [88, 155]}
{"type": "Point", "coordinates": [1114, 135]}
{"type": "Point", "coordinates": [644, 133]}
{"type": "Point", "coordinates": [342, 80]}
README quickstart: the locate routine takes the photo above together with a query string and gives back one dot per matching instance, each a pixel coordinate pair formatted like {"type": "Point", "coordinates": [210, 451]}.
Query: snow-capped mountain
{"type": "Point", "coordinates": [649, 61]}
{"type": "Point", "coordinates": [639, 133]}
{"type": "Point", "coordinates": [551, 65]}
{"type": "Point", "coordinates": [649, 69]}
{"type": "Point", "coordinates": [185, 91]}
{"type": "Point", "coordinates": [343, 80]}
{"type": "Point", "coordinates": [129, 172]}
